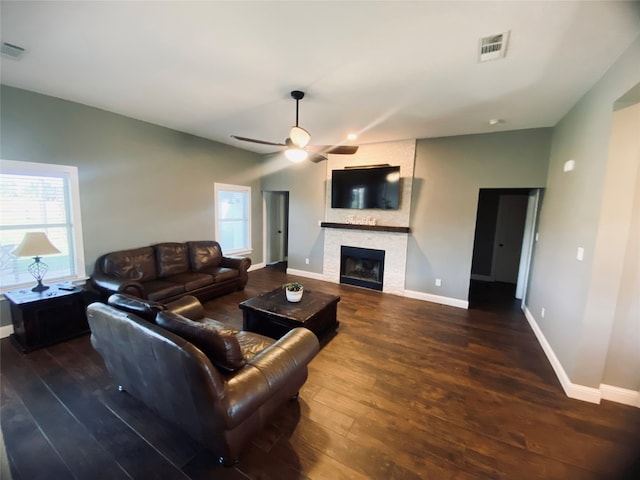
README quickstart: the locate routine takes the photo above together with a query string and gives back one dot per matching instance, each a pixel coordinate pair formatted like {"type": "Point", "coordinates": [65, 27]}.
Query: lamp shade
{"type": "Point", "coordinates": [299, 136]}
{"type": "Point", "coordinates": [35, 244]}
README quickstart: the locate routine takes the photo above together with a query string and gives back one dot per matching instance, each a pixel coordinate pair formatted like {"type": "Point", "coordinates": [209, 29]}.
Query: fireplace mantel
{"type": "Point", "coordinates": [376, 228]}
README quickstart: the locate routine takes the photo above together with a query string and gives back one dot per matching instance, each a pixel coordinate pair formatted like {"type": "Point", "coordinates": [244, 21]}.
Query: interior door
{"type": "Point", "coordinates": [512, 210]}
{"type": "Point", "coordinates": [276, 207]}
{"type": "Point", "coordinates": [528, 239]}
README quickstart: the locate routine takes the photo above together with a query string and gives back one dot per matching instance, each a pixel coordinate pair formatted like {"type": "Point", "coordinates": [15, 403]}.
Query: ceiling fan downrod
{"type": "Point", "coordinates": [297, 95]}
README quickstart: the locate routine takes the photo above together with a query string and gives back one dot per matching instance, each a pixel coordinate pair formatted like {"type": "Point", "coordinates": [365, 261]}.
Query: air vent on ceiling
{"type": "Point", "coordinates": [11, 50]}
{"type": "Point", "coordinates": [493, 47]}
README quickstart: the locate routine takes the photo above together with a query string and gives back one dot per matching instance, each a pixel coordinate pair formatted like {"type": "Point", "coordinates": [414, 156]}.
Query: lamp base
{"type": "Point", "coordinates": [40, 287]}
{"type": "Point", "coordinates": [38, 269]}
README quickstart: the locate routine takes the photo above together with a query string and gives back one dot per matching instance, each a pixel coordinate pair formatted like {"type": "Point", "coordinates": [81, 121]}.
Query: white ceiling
{"type": "Point", "coordinates": [386, 70]}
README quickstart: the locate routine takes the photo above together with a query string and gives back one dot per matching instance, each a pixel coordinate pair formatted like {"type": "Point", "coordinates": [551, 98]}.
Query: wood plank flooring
{"type": "Point", "coordinates": [406, 389]}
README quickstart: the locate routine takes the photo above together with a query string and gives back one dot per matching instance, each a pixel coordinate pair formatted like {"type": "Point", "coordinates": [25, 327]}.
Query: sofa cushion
{"type": "Point", "coordinates": [221, 274]}
{"type": "Point", "coordinates": [171, 258]}
{"type": "Point", "coordinates": [147, 309]}
{"type": "Point", "coordinates": [158, 290]}
{"type": "Point", "coordinates": [136, 264]}
{"type": "Point", "coordinates": [191, 281]}
{"type": "Point", "coordinates": [220, 346]}
{"type": "Point", "coordinates": [252, 344]}
{"type": "Point", "coordinates": [204, 254]}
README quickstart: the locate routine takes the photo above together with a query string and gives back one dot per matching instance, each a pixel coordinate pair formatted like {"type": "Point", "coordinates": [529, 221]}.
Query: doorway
{"type": "Point", "coordinates": [276, 233]}
{"type": "Point", "coordinates": [501, 253]}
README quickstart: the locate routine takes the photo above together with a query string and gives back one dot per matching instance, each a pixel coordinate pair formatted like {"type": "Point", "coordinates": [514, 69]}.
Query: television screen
{"type": "Point", "coordinates": [366, 188]}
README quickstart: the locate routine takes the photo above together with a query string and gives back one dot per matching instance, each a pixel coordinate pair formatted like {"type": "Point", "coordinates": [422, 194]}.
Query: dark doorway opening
{"type": "Point", "coordinates": [498, 241]}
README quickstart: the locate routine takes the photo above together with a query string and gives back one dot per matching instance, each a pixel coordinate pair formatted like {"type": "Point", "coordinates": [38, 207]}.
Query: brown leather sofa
{"type": "Point", "coordinates": [219, 385]}
{"type": "Point", "coordinates": [168, 271]}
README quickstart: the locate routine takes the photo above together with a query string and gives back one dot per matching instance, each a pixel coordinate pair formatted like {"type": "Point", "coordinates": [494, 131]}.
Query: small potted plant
{"type": "Point", "coordinates": [293, 291]}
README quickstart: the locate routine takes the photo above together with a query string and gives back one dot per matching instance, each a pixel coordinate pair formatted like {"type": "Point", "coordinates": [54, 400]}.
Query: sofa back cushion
{"type": "Point", "coordinates": [147, 309]}
{"type": "Point", "coordinates": [204, 254]}
{"type": "Point", "coordinates": [135, 264]}
{"type": "Point", "coordinates": [220, 346]}
{"type": "Point", "coordinates": [171, 258]}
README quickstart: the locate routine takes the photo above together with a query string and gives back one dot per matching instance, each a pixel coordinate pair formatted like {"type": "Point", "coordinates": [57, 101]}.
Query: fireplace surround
{"type": "Point", "coordinates": [362, 267]}
{"type": "Point", "coordinates": [388, 229]}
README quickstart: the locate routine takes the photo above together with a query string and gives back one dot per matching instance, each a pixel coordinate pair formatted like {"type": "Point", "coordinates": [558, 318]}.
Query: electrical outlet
{"type": "Point", "coordinates": [542, 312]}
{"type": "Point", "coordinates": [438, 282]}
{"type": "Point", "coordinates": [306, 260]}
{"type": "Point", "coordinates": [580, 254]}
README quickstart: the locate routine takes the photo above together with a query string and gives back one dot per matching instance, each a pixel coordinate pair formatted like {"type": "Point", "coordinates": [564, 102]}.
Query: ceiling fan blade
{"type": "Point", "coordinates": [316, 157]}
{"type": "Point", "coordinates": [253, 140]}
{"type": "Point", "coordinates": [335, 149]}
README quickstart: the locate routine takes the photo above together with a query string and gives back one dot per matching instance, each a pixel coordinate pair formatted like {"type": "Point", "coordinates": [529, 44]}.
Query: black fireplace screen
{"type": "Point", "coordinates": [362, 267]}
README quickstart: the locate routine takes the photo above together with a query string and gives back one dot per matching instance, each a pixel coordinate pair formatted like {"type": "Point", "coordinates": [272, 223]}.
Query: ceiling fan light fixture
{"type": "Point", "coordinates": [296, 155]}
{"type": "Point", "coordinates": [299, 136]}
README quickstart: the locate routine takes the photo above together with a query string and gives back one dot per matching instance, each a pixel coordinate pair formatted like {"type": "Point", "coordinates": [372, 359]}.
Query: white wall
{"type": "Point", "coordinates": [622, 368]}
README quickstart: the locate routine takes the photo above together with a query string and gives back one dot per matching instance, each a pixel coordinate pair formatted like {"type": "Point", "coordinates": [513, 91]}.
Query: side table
{"type": "Point", "coordinates": [48, 317]}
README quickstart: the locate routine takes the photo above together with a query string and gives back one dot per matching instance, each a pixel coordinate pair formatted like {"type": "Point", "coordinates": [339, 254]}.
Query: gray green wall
{"type": "Point", "coordinates": [449, 173]}
{"type": "Point", "coordinates": [580, 297]}
{"type": "Point", "coordinates": [305, 183]}
{"type": "Point", "coordinates": [139, 183]}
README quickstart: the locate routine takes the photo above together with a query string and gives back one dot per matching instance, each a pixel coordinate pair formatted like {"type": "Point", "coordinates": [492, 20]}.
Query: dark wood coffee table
{"type": "Point", "coordinates": [272, 315]}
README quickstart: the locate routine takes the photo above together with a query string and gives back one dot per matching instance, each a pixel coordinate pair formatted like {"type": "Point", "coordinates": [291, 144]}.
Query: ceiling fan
{"type": "Point", "coordinates": [297, 148]}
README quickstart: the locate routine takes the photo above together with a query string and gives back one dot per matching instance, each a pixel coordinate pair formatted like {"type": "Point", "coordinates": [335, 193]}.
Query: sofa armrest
{"type": "Point", "coordinates": [238, 263]}
{"type": "Point", "coordinates": [109, 285]}
{"type": "Point", "coordinates": [266, 373]}
{"type": "Point", "coordinates": [241, 264]}
{"type": "Point", "coordinates": [187, 306]}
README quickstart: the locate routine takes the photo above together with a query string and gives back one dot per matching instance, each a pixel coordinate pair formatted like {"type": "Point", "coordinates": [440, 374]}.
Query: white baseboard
{"type": "Point", "coordinates": [620, 395]}
{"type": "Point", "coordinates": [257, 266]}
{"type": "Point", "coordinates": [429, 297]}
{"type": "Point", "coordinates": [304, 273]}
{"type": "Point", "coordinates": [6, 331]}
{"type": "Point", "coordinates": [572, 390]}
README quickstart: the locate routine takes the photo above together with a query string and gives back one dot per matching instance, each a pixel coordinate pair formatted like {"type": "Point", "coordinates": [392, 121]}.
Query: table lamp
{"type": "Point", "coordinates": [36, 244]}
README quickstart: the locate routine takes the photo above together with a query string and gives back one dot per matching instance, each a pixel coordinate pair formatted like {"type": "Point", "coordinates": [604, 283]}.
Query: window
{"type": "Point", "coordinates": [40, 197]}
{"type": "Point", "coordinates": [233, 218]}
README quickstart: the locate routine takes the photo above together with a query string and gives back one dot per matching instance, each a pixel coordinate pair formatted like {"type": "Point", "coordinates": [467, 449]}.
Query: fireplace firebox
{"type": "Point", "coordinates": [362, 267]}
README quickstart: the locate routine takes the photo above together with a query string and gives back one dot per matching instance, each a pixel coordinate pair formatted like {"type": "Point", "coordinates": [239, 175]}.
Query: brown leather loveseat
{"type": "Point", "coordinates": [168, 271]}
{"type": "Point", "coordinates": [217, 384]}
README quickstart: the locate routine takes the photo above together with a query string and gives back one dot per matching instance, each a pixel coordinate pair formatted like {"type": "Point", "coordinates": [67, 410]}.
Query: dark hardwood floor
{"type": "Point", "coordinates": [406, 389]}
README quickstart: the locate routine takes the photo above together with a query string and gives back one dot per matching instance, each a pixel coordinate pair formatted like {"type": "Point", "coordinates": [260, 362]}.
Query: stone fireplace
{"type": "Point", "coordinates": [383, 230]}
{"type": "Point", "coordinates": [394, 246]}
{"type": "Point", "coordinates": [362, 267]}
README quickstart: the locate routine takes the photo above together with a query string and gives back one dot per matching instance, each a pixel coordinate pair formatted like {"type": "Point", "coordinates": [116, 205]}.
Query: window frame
{"type": "Point", "coordinates": [226, 187]}
{"type": "Point", "coordinates": [70, 173]}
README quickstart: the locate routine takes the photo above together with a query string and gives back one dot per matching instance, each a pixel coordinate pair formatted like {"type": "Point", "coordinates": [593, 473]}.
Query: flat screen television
{"type": "Point", "coordinates": [366, 188]}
